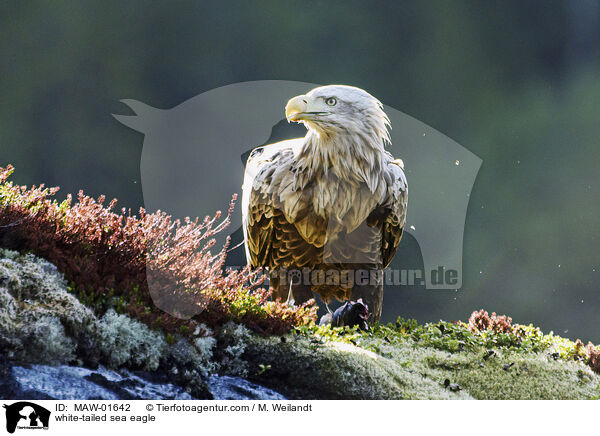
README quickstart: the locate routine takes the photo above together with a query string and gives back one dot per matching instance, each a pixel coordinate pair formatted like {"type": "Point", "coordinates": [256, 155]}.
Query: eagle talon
{"type": "Point", "coordinates": [290, 299]}
{"type": "Point", "coordinates": [328, 309]}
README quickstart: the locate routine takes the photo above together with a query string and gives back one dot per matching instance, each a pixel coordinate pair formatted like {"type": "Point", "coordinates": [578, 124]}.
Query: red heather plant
{"type": "Point", "coordinates": [110, 257]}
{"type": "Point", "coordinates": [480, 321]}
{"type": "Point", "coordinates": [593, 354]}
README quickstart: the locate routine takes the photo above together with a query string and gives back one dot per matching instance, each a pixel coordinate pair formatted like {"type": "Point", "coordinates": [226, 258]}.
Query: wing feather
{"type": "Point", "coordinates": [259, 201]}
{"type": "Point", "coordinates": [279, 228]}
{"type": "Point", "coordinates": [394, 205]}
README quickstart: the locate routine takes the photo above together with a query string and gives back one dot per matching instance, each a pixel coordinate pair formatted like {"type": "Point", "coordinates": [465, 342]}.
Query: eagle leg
{"type": "Point", "coordinates": [290, 291]}
{"type": "Point", "coordinates": [301, 293]}
{"type": "Point", "coordinates": [290, 300]}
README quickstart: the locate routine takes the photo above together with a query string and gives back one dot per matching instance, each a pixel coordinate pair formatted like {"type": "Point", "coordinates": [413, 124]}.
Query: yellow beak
{"type": "Point", "coordinates": [295, 108]}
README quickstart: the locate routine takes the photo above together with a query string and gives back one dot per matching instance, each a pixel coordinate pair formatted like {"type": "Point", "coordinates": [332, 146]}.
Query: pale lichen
{"type": "Point", "coordinates": [127, 342]}
{"type": "Point", "coordinates": [233, 339]}
{"type": "Point", "coordinates": [193, 358]}
{"type": "Point", "coordinates": [39, 320]}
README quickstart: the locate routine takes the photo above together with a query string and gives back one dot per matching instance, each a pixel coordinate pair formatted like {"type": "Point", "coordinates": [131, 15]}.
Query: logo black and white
{"type": "Point", "coordinates": [26, 415]}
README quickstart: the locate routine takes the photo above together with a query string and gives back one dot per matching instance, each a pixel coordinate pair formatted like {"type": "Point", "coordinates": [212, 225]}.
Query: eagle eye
{"type": "Point", "coordinates": [331, 101]}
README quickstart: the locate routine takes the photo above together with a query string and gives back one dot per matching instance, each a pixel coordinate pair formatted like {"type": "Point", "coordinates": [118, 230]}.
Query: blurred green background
{"type": "Point", "coordinates": [515, 82]}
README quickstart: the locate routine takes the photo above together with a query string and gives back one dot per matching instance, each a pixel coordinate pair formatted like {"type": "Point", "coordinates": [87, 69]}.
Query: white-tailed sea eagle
{"type": "Point", "coordinates": [325, 213]}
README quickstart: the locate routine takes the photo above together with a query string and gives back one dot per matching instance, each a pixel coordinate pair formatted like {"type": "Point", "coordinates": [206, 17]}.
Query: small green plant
{"type": "Point", "coordinates": [263, 368]}
{"type": "Point", "coordinates": [170, 339]}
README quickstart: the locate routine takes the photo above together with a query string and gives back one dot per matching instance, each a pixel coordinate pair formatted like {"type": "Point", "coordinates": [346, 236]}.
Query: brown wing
{"type": "Point", "coordinates": [282, 229]}
{"type": "Point", "coordinates": [258, 206]}
{"type": "Point", "coordinates": [258, 231]}
{"type": "Point", "coordinates": [393, 211]}
{"type": "Point", "coordinates": [279, 228]}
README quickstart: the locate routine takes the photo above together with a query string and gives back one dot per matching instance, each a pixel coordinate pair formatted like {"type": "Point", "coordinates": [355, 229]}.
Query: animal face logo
{"type": "Point", "coordinates": [26, 415]}
{"type": "Point", "coordinates": [194, 154]}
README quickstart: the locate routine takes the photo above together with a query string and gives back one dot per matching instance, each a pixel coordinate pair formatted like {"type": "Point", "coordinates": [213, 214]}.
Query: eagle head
{"type": "Point", "coordinates": [347, 132]}
{"type": "Point", "coordinates": [335, 110]}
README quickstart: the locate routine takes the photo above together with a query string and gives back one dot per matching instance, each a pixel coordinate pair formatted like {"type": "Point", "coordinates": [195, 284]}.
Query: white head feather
{"type": "Point", "coordinates": [347, 132]}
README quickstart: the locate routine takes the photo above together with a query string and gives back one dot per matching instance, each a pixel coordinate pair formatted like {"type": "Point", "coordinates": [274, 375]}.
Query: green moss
{"type": "Point", "coordinates": [436, 360]}
{"type": "Point", "coordinates": [305, 367]}
{"type": "Point", "coordinates": [406, 369]}
{"type": "Point", "coordinates": [529, 376]}
{"type": "Point", "coordinates": [452, 337]}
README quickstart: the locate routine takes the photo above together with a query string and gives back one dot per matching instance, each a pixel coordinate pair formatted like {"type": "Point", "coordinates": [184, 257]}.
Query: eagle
{"type": "Point", "coordinates": [325, 213]}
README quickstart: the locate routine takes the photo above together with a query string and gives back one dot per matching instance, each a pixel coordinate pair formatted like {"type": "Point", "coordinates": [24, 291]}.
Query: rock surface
{"type": "Point", "coordinates": [52, 346]}
{"type": "Point", "coordinates": [35, 382]}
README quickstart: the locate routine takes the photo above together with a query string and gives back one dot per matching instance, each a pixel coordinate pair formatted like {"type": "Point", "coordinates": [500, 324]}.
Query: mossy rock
{"type": "Point", "coordinates": [302, 368]}
{"type": "Point", "coordinates": [41, 322]}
